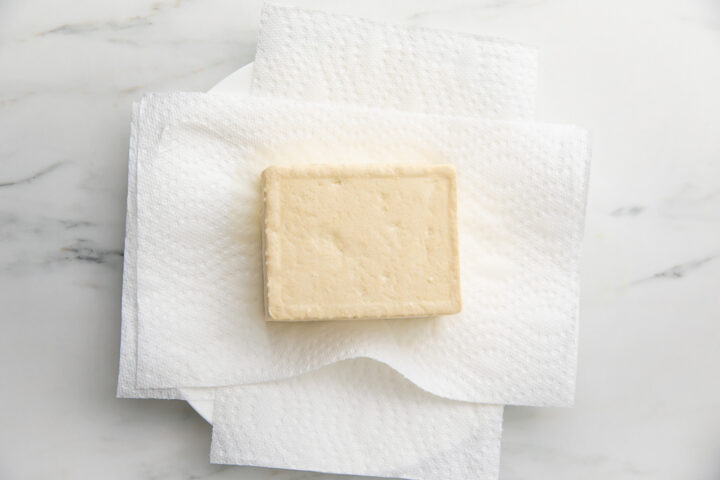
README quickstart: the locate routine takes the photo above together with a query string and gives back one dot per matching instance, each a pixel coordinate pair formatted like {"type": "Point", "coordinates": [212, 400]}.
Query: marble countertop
{"type": "Point", "coordinates": [643, 76]}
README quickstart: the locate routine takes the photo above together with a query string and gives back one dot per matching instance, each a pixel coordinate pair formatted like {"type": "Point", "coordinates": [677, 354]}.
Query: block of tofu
{"type": "Point", "coordinates": [346, 242]}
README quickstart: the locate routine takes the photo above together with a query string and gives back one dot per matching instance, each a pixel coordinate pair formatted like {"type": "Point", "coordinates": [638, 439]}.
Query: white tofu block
{"type": "Point", "coordinates": [346, 242]}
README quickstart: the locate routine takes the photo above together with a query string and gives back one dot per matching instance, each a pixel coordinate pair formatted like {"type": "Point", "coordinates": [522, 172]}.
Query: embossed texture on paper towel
{"type": "Point", "coordinates": [521, 193]}
{"type": "Point", "coordinates": [483, 95]}
{"type": "Point", "coordinates": [362, 420]}
{"type": "Point", "coordinates": [316, 56]}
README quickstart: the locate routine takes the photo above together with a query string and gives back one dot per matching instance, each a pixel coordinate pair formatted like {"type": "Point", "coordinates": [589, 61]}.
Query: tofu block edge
{"type": "Point", "coordinates": [272, 228]}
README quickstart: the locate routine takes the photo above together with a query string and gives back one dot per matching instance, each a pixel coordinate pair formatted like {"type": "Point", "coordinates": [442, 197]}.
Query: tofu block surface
{"type": "Point", "coordinates": [360, 241]}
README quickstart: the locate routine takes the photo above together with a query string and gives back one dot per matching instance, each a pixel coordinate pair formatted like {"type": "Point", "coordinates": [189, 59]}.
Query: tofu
{"type": "Point", "coordinates": [345, 242]}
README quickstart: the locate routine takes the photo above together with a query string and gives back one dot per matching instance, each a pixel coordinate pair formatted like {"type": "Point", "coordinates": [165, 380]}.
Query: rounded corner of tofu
{"type": "Point", "coordinates": [268, 172]}
{"type": "Point", "coordinates": [457, 308]}
{"type": "Point", "coordinates": [271, 315]}
{"type": "Point", "coordinates": [447, 169]}
{"type": "Point", "coordinates": [273, 174]}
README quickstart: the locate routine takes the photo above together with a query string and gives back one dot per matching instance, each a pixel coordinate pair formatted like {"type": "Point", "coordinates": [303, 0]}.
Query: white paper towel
{"type": "Point", "coordinates": [334, 426]}
{"type": "Point", "coordinates": [463, 457]}
{"type": "Point", "coordinates": [500, 84]}
{"type": "Point", "coordinates": [521, 199]}
{"type": "Point", "coordinates": [422, 436]}
{"type": "Point", "coordinates": [315, 56]}
{"type": "Point", "coordinates": [145, 132]}
{"type": "Point", "coordinates": [368, 423]}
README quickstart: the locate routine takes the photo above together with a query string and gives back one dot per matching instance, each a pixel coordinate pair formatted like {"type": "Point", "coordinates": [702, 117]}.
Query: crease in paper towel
{"type": "Point", "coordinates": [515, 340]}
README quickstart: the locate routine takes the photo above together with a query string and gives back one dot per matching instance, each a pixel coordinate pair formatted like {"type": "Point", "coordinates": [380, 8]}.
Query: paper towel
{"type": "Point", "coordinates": [145, 133]}
{"type": "Point", "coordinates": [247, 428]}
{"type": "Point", "coordinates": [289, 425]}
{"type": "Point", "coordinates": [501, 83]}
{"type": "Point", "coordinates": [316, 56]}
{"type": "Point", "coordinates": [463, 455]}
{"type": "Point", "coordinates": [356, 417]}
{"type": "Point", "coordinates": [521, 199]}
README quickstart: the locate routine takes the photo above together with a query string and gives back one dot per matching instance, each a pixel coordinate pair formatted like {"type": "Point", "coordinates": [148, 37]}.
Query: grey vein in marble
{"type": "Point", "coordinates": [84, 250]}
{"type": "Point", "coordinates": [679, 270]}
{"type": "Point", "coordinates": [630, 211]}
{"type": "Point", "coordinates": [693, 203]}
{"type": "Point", "coordinates": [33, 177]}
{"type": "Point", "coordinates": [128, 23]}
{"type": "Point", "coordinates": [83, 28]}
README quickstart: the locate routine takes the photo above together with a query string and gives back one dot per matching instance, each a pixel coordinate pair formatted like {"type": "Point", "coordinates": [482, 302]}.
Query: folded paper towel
{"type": "Point", "coordinates": [508, 99]}
{"type": "Point", "coordinates": [291, 424]}
{"type": "Point", "coordinates": [500, 84]}
{"type": "Point", "coordinates": [521, 192]}
{"type": "Point", "coordinates": [316, 56]}
{"type": "Point", "coordinates": [140, 135]}
{"type": "Point", "coordinates": [362, 420]}
{"type": "Point", "coordinates": [297, 52]}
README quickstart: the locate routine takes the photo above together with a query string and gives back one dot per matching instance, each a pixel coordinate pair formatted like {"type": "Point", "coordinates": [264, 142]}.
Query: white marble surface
{"type": "Point", "coordinates": [643, 76]}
